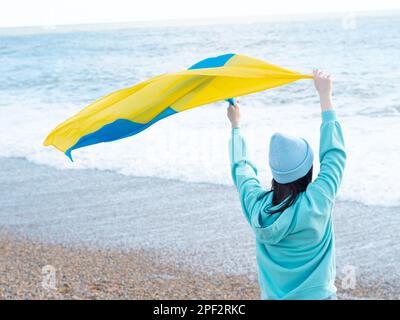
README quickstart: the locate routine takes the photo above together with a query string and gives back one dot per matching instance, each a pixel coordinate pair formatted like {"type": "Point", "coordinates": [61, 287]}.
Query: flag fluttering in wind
{"type": "Point", "coordinates": [129, 111]}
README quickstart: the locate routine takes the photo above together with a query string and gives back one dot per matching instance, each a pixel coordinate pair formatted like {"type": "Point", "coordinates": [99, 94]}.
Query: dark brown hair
{"type": "Point", "coordinates": [286, 193]}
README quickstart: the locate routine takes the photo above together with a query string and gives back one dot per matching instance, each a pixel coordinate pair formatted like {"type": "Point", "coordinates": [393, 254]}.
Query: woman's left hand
{"type": "Point", "coordinates": [234, 115]}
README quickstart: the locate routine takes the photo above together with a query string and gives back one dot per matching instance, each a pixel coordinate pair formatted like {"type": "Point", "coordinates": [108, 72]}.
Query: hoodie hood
{"type": "Point", "coordinates": [272, 228]}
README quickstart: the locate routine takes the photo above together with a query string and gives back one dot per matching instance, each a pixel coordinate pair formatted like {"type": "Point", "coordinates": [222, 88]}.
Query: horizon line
{"type": "Point", "coordinates": [200, 21]}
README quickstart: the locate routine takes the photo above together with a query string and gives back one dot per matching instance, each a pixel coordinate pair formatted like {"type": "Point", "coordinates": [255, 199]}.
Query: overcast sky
{"type": "Point", "coordinates": [56, 12]}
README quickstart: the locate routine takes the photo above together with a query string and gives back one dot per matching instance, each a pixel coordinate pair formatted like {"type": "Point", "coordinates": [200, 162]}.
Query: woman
{"type": "Point", "coordinates": [293, 221]}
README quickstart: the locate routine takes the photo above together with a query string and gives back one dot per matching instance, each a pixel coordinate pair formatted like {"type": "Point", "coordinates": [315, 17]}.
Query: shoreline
{"type": "Point", "coordinates": [89, 273]}
{"type": "Point", "coordinates": [83, 273]}
{"type": "Point", "coordinates": [183, 229]}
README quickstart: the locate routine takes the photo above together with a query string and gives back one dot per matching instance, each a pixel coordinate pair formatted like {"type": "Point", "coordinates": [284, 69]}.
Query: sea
{"type": "Point", "coordinates": [48, 74]}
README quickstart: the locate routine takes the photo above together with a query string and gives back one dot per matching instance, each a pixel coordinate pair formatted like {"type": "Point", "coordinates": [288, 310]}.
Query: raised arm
{"type": "Point", "coordinates": [244, 173]}
{"type": "Point", "coordinates": [332, 155]}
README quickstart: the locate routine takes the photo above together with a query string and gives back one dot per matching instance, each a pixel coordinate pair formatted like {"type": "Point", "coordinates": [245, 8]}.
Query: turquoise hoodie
{"type": "Point", "coordinates": [295, 249]}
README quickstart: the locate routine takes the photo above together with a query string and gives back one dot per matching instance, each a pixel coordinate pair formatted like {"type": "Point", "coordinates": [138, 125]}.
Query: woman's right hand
{"type": "Point", "coordinates": [323, 84]}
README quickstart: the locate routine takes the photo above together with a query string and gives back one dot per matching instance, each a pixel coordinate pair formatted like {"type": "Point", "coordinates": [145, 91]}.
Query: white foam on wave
{"type": "Point", "coordinates": [192, 146]}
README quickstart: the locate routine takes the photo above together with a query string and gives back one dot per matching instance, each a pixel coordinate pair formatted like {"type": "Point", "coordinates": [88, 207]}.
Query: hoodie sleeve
{"type": "Point", "coordinates": [244, 175]}
{"type": "Point", "coordinates": [332, 157]}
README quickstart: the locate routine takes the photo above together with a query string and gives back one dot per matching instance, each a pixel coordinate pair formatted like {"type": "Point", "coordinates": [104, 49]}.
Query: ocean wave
{"type": "Point", "coordinates": [65, 71]}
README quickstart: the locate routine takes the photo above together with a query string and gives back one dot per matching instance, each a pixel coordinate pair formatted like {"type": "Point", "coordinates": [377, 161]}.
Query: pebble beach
{"type": "Point", "coordinates": [83, 273]}
{"type": "Point", "coordinates": [109, 236]}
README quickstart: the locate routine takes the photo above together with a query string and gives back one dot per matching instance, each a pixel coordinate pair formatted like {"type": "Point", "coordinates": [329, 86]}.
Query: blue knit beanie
{"type": "Point", "coordinates": [290, 158]}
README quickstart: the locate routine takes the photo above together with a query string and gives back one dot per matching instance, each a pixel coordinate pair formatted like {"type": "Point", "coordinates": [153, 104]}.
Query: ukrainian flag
{"type": "Point", "coordinates": [129, 111]}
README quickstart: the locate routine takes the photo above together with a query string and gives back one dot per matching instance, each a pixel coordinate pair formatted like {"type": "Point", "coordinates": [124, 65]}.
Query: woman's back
{"type": "Point", "coordinates": [295, 253]}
